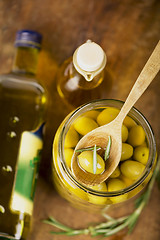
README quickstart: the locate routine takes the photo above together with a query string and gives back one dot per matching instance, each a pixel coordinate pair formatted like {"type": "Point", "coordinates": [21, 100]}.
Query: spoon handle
{"type": "Point", "coordinates": [146, 76]}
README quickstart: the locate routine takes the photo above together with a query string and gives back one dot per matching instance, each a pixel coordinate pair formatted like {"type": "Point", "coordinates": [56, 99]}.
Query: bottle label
{"type": "Point", "coordinates": [26, 173]}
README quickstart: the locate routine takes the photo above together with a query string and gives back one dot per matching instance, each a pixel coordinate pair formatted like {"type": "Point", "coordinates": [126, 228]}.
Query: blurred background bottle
{"type": "Point", "coordinates": [22, 106]}
{"type": "Point", "coordinates": [84, 77]}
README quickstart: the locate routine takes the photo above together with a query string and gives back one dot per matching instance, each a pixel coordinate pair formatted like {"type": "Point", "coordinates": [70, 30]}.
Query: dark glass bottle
{"type": "Point", "coordinates": [84, 77]}
{"type": "Point", "coordinates": [22, 107]}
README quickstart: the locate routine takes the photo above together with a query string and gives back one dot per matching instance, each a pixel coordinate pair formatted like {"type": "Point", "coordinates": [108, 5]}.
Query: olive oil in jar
{"type": "Point", "coordinates": [22, 107]}
{"type": "Point", "coordinates": [84, 77]}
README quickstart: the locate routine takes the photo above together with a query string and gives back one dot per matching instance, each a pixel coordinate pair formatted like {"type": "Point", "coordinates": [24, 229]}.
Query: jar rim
{"type": "Point", "coordinates": [140, 118]}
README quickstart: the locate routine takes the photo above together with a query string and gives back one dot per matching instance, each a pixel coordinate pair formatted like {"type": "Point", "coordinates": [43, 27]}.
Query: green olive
{"type": "Point", "coordinates": [98, 199]}
{"type": "Point", "coordinates": [68, 153]}
{"type": "Point", "coordinates": [72, 138]}
{"type": "Point", "coordinates": [83, 125]}
{"type": "Point", "coordinates": [141, 154]}
{"type": "Point", "coordinates": [116, 185]}
{"type": "Point", "coordinates": [92, 114]}
{"type": "Point", "coordinates": [126, 180]}
{"type": "Point", "coordinates": [144, 144]}
{"type": "Point", "coordinates": [136, 136]}
{"type": "Point", "coordinates": [129, 122]}
{"type": "Point", "coordinates": [132, 169]}
{"type": "Point", "coordinates": [127, 151]}
{"type": "Point", "coordinates": [85, 160]}
{"type": "Point", "coordinates": [124, 133]}
{"type": "Point", "coordinates": [107, 115]}
{"type": "Point", "coordinates": [116, 173]}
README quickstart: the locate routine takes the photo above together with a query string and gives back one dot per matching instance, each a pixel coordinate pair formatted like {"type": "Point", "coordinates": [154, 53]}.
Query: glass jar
{"type": "Point", "coordinates": [86, 197]}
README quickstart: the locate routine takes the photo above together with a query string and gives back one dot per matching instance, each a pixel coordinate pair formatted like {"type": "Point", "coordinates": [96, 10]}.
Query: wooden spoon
{"type": "Point", "coordinates": [99, 136]}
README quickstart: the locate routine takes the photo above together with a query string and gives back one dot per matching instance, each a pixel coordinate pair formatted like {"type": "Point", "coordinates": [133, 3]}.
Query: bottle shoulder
{"type": "Point", "coordinates": [23, 82]}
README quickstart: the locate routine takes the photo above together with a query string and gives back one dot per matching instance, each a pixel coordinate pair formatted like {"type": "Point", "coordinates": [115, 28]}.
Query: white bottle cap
{"type": "Point", "coordinates": [90, 56]}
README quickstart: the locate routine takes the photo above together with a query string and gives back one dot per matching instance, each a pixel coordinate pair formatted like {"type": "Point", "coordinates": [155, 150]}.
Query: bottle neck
{"type": "Point", "coordinates": [25, 61]}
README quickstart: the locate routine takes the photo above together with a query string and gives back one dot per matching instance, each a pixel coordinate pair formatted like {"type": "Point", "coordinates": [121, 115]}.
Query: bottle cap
{"type": "Point", "coordinates": [28, 38]}
{"type": "Point", "coordinates": [89, 60]}
{"type": "Point", "coordinates": [90, 56]}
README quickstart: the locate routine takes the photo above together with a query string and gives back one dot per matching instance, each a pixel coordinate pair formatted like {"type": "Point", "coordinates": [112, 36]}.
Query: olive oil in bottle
{"type": "Point", "coordinates": [84, 77]}
{"type": "Point", "coordinates": [22, 108]}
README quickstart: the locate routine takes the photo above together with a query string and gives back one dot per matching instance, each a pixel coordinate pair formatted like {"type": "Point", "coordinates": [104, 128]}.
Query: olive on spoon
{"type": "Point", "coordinates": [100, 135]}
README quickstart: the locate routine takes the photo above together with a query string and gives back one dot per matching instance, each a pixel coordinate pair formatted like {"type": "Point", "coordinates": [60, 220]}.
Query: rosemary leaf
{"type": "Point", "coordinates": [138, 201]}
{"type": "Point", "coordinates": [87, 149]}
{"type": "Point", "coordinates": [116, 229]}
{"type": "Point", "coordinates": [55, 223]}
{"type": "Point", "coordinates": [108, 148]}
{"type": "Point", "coordinates": [132, 223]}
{"type": "Point", "coordinates": [94, 159]}
{"type": "Point", "coordinates": [58, 233]}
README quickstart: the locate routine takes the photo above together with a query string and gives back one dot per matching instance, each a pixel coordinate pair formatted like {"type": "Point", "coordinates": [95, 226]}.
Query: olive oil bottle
{"type": "Point", "coordinates": [22, 108]}
{"type": "Point", "coordinates": [84, 77]}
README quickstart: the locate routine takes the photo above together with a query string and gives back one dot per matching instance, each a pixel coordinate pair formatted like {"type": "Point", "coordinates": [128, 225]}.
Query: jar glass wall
{"type": "Point", "coordinates": [96, 198]}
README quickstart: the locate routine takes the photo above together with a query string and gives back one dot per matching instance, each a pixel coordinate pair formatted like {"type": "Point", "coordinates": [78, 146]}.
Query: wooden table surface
{"type": "Point", "coordinates": [128, 31]}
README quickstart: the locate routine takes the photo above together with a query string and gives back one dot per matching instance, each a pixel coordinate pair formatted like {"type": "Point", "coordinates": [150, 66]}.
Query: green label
{"type": "Point", "coordinates": [26, 176]}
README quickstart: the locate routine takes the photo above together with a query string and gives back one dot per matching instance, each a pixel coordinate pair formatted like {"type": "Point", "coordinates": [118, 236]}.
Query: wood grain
{"type": "Point", "coordinates": [128, 31]}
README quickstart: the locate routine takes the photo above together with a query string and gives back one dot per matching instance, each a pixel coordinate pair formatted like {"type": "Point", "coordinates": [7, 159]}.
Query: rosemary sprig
{"type": "Point", "coordinates": [94, 160]}
{"type": "Point", "coordinates": [108, 148]}
{"type": "Point", "coordinates": [112, 225]}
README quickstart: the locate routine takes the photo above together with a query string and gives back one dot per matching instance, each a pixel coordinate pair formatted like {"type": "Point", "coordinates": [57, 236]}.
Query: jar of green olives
{"type": "Point", "coordinates": [131, 176]}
